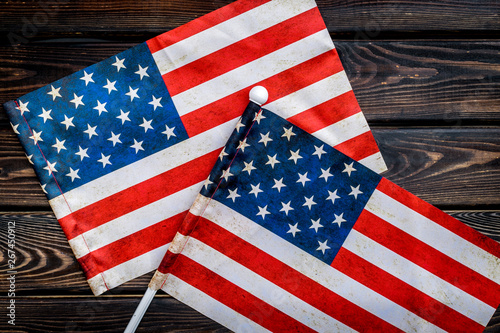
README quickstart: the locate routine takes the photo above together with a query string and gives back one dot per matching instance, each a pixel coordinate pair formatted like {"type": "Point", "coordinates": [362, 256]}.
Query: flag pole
{"type": "Point", "coordinates": [258, 95]}
{"type": "Point", "coordinates": [140, 311]}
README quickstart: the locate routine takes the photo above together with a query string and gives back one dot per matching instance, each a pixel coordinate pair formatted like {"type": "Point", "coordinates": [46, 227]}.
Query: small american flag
{"type": "Point", "coordinates": [295, 236]}
{"type": "Point", "coordinates": [123, 147]}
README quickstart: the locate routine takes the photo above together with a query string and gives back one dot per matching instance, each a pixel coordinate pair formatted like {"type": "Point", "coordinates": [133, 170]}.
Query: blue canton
{"type": "Point", "coordinates": [98, 120]}
{"type": "Point", "coordinates": [293, 184]}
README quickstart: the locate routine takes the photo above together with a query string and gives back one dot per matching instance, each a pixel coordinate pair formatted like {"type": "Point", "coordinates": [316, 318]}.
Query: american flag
{"type": "Point", "coordinates": [122, 147]}
{"type": "Point", "coordinates": [295, 236]}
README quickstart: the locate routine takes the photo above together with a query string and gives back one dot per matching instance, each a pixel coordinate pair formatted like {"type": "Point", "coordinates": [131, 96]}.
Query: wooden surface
{"type": "Point", "coordinates": [426, 74]}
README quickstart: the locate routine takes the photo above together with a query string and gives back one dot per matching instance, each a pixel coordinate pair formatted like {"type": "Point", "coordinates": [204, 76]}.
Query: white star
{"type": "Point", "coordinates": [323, 247]}
{"type": "Point", "coordinates": [278, 184]}
{"type": "Point", "coordinates": [243, 144]}
{"type": "Point", "coordinates": [59, 145]}
{"type": "Point", "coordinates": [303, 179]}
{"type": "Point", "coordinates": [258, 117]}
{"type": "Point", "coordinates": [101, 107]}
{"type": "Point", "coordinates": [233, 195]}
{"type": "Point", "coordinates": [169, 132]}
{"type": "Point", "coordinates": [43, 188]}
{"type": "Point", "coordinates": [54, 92]}
{"type": "Point", "coordinates": [68, 122]}
{"type": "Point", "coordinates": [293, 229]}
{"type": "Point", "coordinates": [239, 125]}
{"type": "Point", "coordinates": [87, 78]}
{"type": "Point", "coordinates": [263, 212]}
{"type": "Point", "coordinates": [132, 93]}
{"type": "Point", "coordinates": [123, 116]}
{"type": "Point", "coordinates": [332, 196]}
{"type": "Point", "coordinates": [223, 153]}
{"type": "Point", "coordinates": [14, 127]}
{"type": "Point", "coordinates": [115, 138]}
{"type": "Point", "coordinates": [319, 151]}
{"type": "Point", "coordinates": [156, 103]}
{"type": "Point", "coordinates": [285, 207]}
{"type": "Point", "coordinates": [355, 192]}
{"type": "Point", "coordinates": [36, 136]}
{"type": "Point", "coordinates": [51, 167]}
{"type": "Point", "coordinates": [29, 158]}
{"type": "Point", "coordinates": [349, 168]}
{"type": "Point", "coordinates": [119, 64]}
{"type": "Point", "coordinates": [137, 146]}
{"type": "Point", "coordinates": [45, 115]}
{"type": "Point", "coordinates": [272, 160]}
{"type": "Point", "coordinates": [339, 219]}
{"type": "Point", "coordinates": [325, 174]}
{"type": "Point", "coordinates": [249, 167]}
{"type": "Point", "coordinates": [309, 202]}
{"type": "Point", "coordinates": [73, 174]}
{"type": "Point", "coordinates": [316, 225]}
{"type": "Point", "coordinates": [77, 100]}
{"type": "Point", "coordinates": [110, 86]}
{"type": "Point", "coordinates": [91, 131]}
{"type": "Point", "coordinates": [295, 155]}
{"type": "Point", "coordinates": [255, 190]}
{"type": "Point", "coordinates": [288, 133]}
{"type": "Point", "coordinates": [146, 124]}
{"type": "Point", "coordinates": [23, 107]}
{"type": "Point", "coordinates": [142, 72]}
{"type": "Point", "coordinates": [207, 182]}
{"type": "Point", "coordinates": [82, 153]}
{"type": "Point", "coordinates": [265, 139]}
{"type": "Point", "coordinates": [104, 160]}
{"type": "Point", "coordinates": [226, 174]}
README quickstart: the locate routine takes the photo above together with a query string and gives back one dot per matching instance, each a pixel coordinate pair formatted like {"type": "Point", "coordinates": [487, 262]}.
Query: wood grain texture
{"type": "Point", "coordinates": [46, 264]}
{"type": "Point", "coordinates": [409, 83]}
{"type": "Point", "coordinates": [448, 167]}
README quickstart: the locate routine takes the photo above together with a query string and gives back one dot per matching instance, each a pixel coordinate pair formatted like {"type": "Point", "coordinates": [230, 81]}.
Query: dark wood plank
{"type": "Point", "coordinates": [447, 82]}
{"type": "Point", "coordinates": [367, 19]}
{"type": "Point", "coordinates": [47, 266]}
{"type": "Point", "coordinates": [453, 168]}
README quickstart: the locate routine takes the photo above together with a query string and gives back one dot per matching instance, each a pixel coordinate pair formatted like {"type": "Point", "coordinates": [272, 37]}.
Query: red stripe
{"type": "Point", "coordinates": [327, 113]}
{"type": "Point", "coordinates": [138, 196]}
{"type": "Point", "coordinates": [243, 51]}
{"type": "Point", "coordinates": [289, 279]}
{"type": "Point", "coordinates": [359, 147]}
{"type": "Point", "coordinates": [278, 86]}
{"type": "Point", "coordinates": [205, 22]}
{"type": "Point", "coordinates": [132, 246]}
{"type": "Point", "coordinates": [439, 217]}
{"type": "Point", "coordinates": [428, 258]}
{"type": "Point", "coordinates": [403, 294]}
{"type": "Point", "coordinates": [235, 297]}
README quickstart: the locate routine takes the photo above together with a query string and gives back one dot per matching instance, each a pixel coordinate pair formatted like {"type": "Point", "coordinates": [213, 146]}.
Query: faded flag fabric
{"type": "Point", "coordinates": [122, 147]}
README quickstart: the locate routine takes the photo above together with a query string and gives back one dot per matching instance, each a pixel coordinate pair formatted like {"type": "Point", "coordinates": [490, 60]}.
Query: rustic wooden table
{"type": "Point", "coordinates": [426, 74]}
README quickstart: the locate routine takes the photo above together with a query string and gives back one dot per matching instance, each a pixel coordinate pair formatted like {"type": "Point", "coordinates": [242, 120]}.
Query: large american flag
{"type": "Point", "coordinates": [123, 147]}
{"type": "Point", "coordinates": [295, 236]}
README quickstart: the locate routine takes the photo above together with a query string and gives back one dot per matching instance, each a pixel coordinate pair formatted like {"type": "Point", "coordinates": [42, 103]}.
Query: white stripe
{"type": "Point", "coordinates": [418, 277]}
{"type": "Point", "coordinates": [178, 243]}
{"type": "Point", "coordinates": [209, 306]}
{"type": "Point", "coordinates": [374, 162]}
{"type": "Point", "coordinates": [253, 72]}
{"type": "Point", "coordinates": [128, 270]}
{"type": "Point", "coordinates": [261, 288]}
{"type": "Point", "coordinates": [315, 269]}
{"type": "Point", "coordinates": [434, 235]}
{"type": "Point", "coordinates": [228, 32]}
{"type": "Point", "coordinates": [311, 96]}
{"type": "Point", "coordinates": [343, 130]}
{"type": "Point", "coordinates": [136, 220]}
{"type": "Point", "coordinates": [149, 167]}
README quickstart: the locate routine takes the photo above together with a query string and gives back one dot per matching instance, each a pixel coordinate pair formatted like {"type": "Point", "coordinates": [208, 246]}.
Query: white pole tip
{"type": "Point", "coordinates": [259, 95]}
